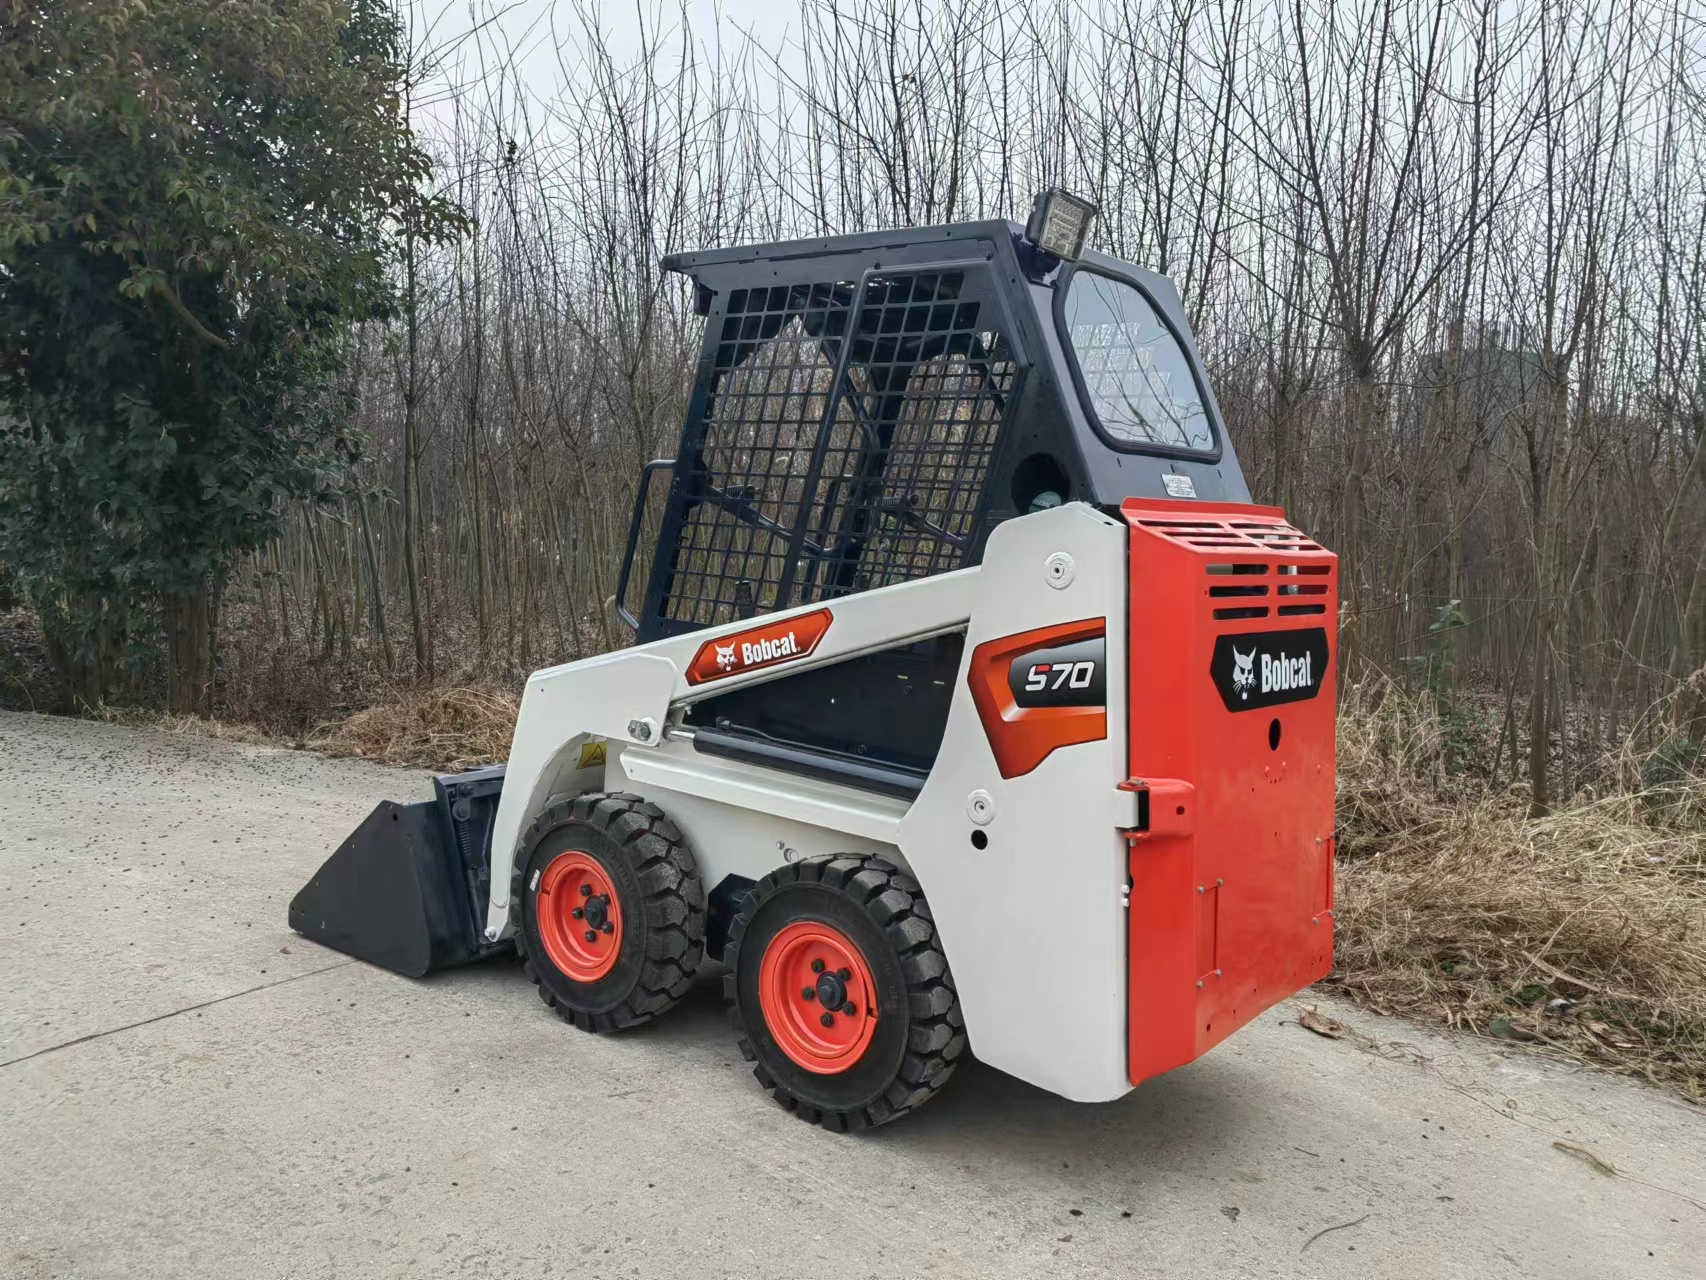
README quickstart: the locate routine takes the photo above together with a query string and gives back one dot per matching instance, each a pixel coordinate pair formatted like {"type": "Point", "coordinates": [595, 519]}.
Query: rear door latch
{"type": "Point", "coordinates": [1155, 808]}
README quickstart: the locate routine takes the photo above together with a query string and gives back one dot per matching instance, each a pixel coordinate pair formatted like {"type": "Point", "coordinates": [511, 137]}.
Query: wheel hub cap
{"type": "Point", "coordinates": [818, 996]}
{"type": "Point", "coordinates": [831, 992]}
{"type": "Point", "coordinates": [579, 916]}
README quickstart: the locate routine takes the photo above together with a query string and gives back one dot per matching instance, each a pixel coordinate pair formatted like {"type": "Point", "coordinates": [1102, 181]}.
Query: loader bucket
{"type": "Point", "coordinates": [407, 890]}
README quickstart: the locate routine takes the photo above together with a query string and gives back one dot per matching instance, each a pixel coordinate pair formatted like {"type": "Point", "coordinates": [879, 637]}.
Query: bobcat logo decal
{"type": "Point", "coordinates": [1252, 670]}
{"type": "Point", "coordinates": [1243, 672]}
{"type": "Point", "coordinates": [763, 644]}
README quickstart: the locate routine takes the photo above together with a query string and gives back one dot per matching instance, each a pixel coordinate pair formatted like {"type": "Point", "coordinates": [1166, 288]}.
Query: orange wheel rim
{"type": "Point", "coordinates": [806, 967]}
{"type": "Point", "coordinates": [580, 918]}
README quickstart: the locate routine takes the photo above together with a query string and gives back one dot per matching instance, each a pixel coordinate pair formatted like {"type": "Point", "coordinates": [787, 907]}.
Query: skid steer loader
{"type": "Point", "coordinates": [973, 704]}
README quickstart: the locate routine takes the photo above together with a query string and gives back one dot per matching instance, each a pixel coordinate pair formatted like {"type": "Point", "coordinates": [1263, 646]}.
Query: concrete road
{"type": "Point", "coordinates": [188, 1089]}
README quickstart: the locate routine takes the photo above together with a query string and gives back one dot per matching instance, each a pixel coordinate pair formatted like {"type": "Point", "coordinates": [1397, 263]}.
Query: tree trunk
{"type": "Point", "coordinates": [1539, 731]}
{"type": "Point", "coordinates": [88, 663]}
{"type": "Point", "coordinates": [374, 577]}
{"type": "Point", "coordinates": [1549, 483]}
{"type": "Point", "coordinates": [411, 461]}
{"type": "Point", "coordinates": [189, 651]}
{"type": "Point", "coordinates": [1353, 559]}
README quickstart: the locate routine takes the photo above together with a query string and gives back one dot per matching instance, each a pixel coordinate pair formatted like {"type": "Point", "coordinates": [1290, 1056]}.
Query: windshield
{"type": "Point", "coordinates": [1137, 377]}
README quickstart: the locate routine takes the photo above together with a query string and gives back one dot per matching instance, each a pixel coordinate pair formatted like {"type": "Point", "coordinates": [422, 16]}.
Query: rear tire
{"type": "Point", "coordinates": [865, 919]}
{"type": "Point", "coordinates": [610, 910]}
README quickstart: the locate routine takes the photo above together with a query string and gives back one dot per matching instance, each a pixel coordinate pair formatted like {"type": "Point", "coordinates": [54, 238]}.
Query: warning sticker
{"type": "Point", "coordinates": [592, 753]}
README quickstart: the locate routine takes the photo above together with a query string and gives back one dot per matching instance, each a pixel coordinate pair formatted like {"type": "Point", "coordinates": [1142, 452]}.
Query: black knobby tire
{"type": "Point", "coordinates": [662, 899]}
{"type": "Point", "coordinates": [920, 1033]}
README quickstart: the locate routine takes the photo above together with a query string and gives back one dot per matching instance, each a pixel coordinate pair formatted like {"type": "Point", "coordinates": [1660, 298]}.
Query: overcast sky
{"type": "Point", "coordinates": [471, 37]}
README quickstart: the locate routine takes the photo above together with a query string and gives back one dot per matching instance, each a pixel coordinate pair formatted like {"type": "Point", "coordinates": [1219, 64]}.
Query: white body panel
{"type": "Point", "coordinates": [764, 820]}
{"type": "Point", "coordinates": [744, 786]}
{"type": "Point", "coordinates": [1033, 924]}
{"type": "Point", "coordinates": [600, 697]}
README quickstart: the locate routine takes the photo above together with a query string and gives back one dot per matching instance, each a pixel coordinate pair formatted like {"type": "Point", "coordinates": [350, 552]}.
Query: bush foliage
{"type": "Point", "coordinates": [197, 201]}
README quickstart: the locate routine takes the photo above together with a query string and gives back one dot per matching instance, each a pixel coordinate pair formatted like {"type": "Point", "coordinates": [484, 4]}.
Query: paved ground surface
{"type": "Point", "coordinates": [187, 1089]}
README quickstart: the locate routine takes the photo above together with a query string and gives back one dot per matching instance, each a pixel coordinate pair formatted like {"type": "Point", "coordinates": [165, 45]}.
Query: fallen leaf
{"type": "Point", "coordinates": [1312, 1019]}
{"type": "Point", "coordinates": [1504, 1029]}
{"type": "Point", "coordinates": [1596, 1160]}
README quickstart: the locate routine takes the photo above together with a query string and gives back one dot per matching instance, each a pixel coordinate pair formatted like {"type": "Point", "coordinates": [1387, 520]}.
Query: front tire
{"type": "Point", "coordinates": [611, 910]}
{"type": "Point", "coordinates": [840, 993]}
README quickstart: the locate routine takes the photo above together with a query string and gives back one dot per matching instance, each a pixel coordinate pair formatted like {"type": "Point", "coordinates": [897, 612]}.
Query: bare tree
{"type": "Point", "coordinates": [1446, 263]}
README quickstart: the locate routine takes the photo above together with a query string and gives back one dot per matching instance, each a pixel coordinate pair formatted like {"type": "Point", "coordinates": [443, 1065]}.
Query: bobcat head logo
{"type": "Point", "coordinates": [725, 657]}
{"type": "Point", "coordinates": [1243, 672]}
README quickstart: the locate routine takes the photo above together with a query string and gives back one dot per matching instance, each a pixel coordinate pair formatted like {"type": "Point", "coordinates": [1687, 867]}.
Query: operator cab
{"type": "Point", "coordinates": [867, 408]}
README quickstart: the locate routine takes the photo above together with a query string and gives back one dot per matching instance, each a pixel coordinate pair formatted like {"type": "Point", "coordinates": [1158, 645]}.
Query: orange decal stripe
{"type": "Point", "coordinates": [1023, 737]}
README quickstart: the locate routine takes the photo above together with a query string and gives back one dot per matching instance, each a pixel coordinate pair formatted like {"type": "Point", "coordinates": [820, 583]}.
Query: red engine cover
{"type": "Point", "coordinates": [1233, 644]}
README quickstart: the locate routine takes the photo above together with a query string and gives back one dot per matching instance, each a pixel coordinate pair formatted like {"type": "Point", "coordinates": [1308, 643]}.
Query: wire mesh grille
{"type": "Point", "coordinates": [805, 491]}
{"type": "Point", "coordinates": [774, 373]}
{"type": "Point", "coordinates": [937, 460]}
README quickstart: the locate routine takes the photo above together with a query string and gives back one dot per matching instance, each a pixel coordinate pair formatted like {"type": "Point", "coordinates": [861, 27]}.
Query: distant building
{"type": "Point", "coordinates": [1494, 381]}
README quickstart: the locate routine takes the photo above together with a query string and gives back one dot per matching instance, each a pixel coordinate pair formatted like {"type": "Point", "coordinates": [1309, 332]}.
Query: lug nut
{"type": "Point", "coordinates": [592, 935]}
{"type": "Point", "coordinates": [828, 1019]}
{"type": "Point", "coordinates": [809, 993]}
{"type": "Point", "coordinates": [817, 966]}
{"type": "Point", "coordinates": [850, 1008]}
{"type": "Point", "coordinates": [608, 927]}
{"type": "Point", "coordinates": [577, 913]}
{"type": "Point", "coordinates": [586, 891]}
{"type": "Point", "coordinates": [845, 975]}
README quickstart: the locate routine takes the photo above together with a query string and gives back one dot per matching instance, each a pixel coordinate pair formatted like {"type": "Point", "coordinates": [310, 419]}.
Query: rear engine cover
{"type": "Point", "coordinates": [1233, 643]}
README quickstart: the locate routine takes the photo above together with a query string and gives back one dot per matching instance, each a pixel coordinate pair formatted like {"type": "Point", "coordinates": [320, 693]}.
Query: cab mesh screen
{"type": "Point", "coordinates": [805, 485]}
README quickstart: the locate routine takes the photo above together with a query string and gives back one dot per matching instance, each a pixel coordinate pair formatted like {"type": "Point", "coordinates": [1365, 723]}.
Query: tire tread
{"type": "Point", "coordinates": [895, 904]}
{"type": "Point", "coordinates": [674, 902]}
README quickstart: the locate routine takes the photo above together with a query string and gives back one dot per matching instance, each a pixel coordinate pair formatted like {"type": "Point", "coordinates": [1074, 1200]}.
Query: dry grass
{"type": "Point", "coordinates": [443, 729]}
{"type": "Point", "coordinates": [195, 726]}
{"type": "Point", "coordinates": [28, 681]}
{"type": "Point", "coordinates": [459, 727]}
{"type": "Point", "coordinates": [1584, 931]}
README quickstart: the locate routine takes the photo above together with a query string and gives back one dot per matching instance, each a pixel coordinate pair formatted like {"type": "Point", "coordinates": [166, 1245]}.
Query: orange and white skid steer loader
{"type": "Point", "coordinates": [973, 703]}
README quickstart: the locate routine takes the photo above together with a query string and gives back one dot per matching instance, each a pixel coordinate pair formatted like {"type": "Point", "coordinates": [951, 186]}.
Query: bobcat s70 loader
{"type": "Point", "coordinates": [973, 704]}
